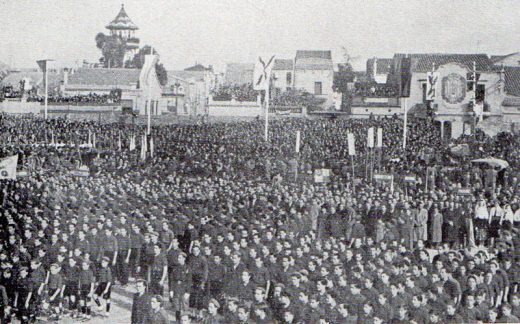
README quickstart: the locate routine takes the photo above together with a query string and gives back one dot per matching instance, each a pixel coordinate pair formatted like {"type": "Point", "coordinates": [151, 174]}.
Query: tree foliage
{"type": "Point", "coordinates": [112, 48]}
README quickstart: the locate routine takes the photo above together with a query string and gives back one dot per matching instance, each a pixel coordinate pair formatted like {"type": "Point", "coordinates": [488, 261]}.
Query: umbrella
{"type": "Point", "coordinates": [493, 162]}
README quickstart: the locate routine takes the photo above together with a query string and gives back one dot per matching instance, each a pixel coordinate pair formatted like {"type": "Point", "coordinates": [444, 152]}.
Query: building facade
{"type": "Point", "coordinates": [282, 75]}
{"type": "Point", "coordinates": [314, 73]}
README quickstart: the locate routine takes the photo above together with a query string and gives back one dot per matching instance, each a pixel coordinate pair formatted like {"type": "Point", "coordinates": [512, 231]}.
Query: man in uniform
{"type": "Point", "coordinates": [158, 272]}
{"type": "Point", "coordinates": [213, 317]}
{"type": "Point", "coordinates": [104, 285]}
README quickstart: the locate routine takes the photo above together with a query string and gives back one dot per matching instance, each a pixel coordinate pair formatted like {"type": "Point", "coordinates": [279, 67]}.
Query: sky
{"type": "Point", "coordinates": [216, 32]}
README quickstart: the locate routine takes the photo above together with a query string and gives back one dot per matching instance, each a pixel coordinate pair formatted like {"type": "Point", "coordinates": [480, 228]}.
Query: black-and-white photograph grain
{"type": "Point", "coordinates": [259, 161]}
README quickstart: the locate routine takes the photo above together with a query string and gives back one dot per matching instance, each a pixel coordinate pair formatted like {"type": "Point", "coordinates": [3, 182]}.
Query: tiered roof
{"type": "Point", "coordinates": [122, 21]}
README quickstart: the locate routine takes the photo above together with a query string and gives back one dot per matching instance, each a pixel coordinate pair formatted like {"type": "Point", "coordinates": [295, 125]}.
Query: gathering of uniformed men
{"type": "Point", "coordinates": [212, 229]}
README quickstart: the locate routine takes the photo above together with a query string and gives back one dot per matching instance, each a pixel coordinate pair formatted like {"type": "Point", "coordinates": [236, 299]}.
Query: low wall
{"type": "Point", "coordinates": [18, 107]}
{"type": "Point", "coordinates": [379, 111]}
{"type": "Point", "coordinates": [234, 109]}
{"type": "Point", "coordinates": [21, 107]}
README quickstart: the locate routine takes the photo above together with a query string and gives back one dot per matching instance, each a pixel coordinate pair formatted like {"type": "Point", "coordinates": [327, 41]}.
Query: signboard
{"type": "Point", "coordinates": [322, 175]}
{"type": "Point", "coordinates": [8, 167]}
{"type": "Point", "coordinates": [351, 144]}
{"type": "Point", "coordinates": [383, 177]}
{"type": "Point", "coordinates": [410, 179]}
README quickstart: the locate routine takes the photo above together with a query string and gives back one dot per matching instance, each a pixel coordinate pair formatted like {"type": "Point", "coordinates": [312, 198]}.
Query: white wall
{"type": "Point", "coordinates": [280, 77]}
{"type": "Point", "coordinates": [234, 109]}
{"type": "Point", "coordinates": [305, 79]}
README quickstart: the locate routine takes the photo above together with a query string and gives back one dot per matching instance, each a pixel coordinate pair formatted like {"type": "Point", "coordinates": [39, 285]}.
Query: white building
{"type": "Point", "coordinates": [314, 73]}
{"type": "Point", "coordinates": [283, 75]}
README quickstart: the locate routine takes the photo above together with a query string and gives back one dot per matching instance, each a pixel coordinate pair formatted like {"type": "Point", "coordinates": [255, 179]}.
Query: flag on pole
{"type": "Point", "coordinates": [370, 138]}
{"type": "Point", "coordinates": [143, 148]}
{"type": "Point", "coordinates": [262, 73]}
{"type": "Point", "coordinates": [132, 143]}
{"type": "Point", "coordinates": [297, 141]}
{"type": "Point", "coordinates": [379, 137]}
{"type": "Point", "coordinates": [351, 144]}
{"type": "Point", "coordinates": [8, 167]}
{"type": "Point", "coordinates": [151, 147]}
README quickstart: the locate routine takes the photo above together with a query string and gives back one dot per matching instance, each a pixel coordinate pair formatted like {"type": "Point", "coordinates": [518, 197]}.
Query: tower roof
{"type": "Point", "coordinates": [122, 21]}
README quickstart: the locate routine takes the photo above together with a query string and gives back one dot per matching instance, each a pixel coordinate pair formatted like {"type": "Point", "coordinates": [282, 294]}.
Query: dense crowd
{"type": "Point", "coordinates": [241, 93]}
{"type": "Point", "coordinates": [91, 98]}
{"type": "Point", "coordinates": [221, 227]}
{"type": "Point", "coordinates": [375, 90]}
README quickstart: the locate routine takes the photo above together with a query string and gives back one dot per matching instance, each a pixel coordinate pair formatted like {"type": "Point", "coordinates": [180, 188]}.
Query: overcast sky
{"type": "Point", "coordinates": [220, 31]}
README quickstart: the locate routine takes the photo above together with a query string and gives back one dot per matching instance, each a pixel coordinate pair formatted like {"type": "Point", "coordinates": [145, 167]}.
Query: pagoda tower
{"type": "Point", "coordinates": [122, 26]}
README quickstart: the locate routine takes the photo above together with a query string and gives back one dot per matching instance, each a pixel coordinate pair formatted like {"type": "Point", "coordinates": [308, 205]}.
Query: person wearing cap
{"type": "Point", "coordinates": [157, 314]}
{"type": "Point", "coordinates": [212, 317]}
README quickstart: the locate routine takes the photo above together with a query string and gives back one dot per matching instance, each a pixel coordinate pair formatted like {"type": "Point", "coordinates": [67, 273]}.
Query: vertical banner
{"type": "Point", "coordinates": [351, 144]}
{"type": "Point", "coordinates": [119, 144]}
{"type": "Point", "coordinates": [94, 140]}
{"type": "Point", "coordinates": [298, 141]}
{"type": "Point", "coordinates": [8, 167]}
{"type": "Point", "coordinates": [151, 147]}
{"type": "Point", "coordinates": [132, 143]}
{"type": "Point", "coordinates": [379, 137]}
{"type": "Point", "coordinates": [370, 138]}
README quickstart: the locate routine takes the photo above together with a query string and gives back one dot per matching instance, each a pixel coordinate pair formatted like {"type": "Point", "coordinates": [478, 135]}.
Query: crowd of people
{"type": "Point", "coordinates": [375, 90]}
{"type": "Point", "coordinates": [241, 93]}
{"type": "Point", "coordinates": [219, 226]}
{"type": "Point", "coordinates": [91, 98]}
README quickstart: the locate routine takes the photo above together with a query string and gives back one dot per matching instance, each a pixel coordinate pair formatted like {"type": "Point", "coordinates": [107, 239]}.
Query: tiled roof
{"type": "Point", "coordinates": [283, 64]}
{"type": "Point", "coordinates": [384, 66]}
{"type": "Point", "coordinates": [313, 60]}
{"type": "Point", "coordinates": [122, 21]}
{"type": "Point", "coordinates": [512, 80]}
{"type": "Point", "coordinates": [104, 77]}
{"type": "Point", "coordinates": [424, 62]}
{"type": "Point", "coordinates": [198, 67]}
{"type": "Point", "coordinates": [187, 75]}
{"type": "Point", "coordinates": [498, 58]}
{"type": "Point", "coordinates": [314, 54]}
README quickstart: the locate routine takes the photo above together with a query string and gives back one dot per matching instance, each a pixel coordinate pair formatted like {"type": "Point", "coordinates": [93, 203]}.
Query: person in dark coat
{"type": "Point", "coordinates": [141, 304]}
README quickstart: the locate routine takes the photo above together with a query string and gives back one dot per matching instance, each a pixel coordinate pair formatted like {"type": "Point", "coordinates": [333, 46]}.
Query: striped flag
{"type": "Point", "coordinates": [262, 73]}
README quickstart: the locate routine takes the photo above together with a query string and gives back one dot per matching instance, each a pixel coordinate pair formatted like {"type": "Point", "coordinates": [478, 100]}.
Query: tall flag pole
{"type": "Point", "coordinates": [262, 78]}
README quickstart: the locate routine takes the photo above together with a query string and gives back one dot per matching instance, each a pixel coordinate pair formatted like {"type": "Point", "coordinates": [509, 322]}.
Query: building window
{"type": "Point", "coordinates": [288, 78]}
{"type": "Point", "coordinates": [318, 88]}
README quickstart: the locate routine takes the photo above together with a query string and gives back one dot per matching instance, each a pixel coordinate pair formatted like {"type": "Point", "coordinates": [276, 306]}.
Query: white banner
{"type": "Point", "coordinates": [297, 141]}
{"type": "Point", "coordinates": [8, 167]}
{"type": "Point", "coordinates": [351, 144]}
{"type": "Point", "coordinates": [370, 138]}
{"type": "Point", "coordinates": [379, 137]}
